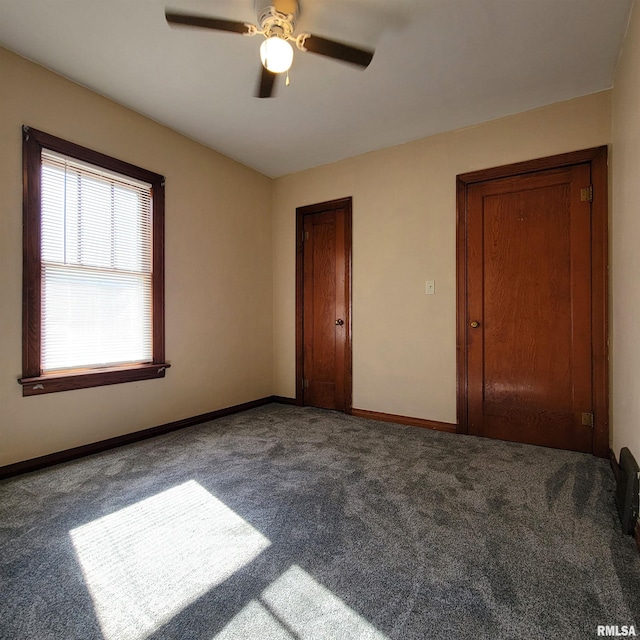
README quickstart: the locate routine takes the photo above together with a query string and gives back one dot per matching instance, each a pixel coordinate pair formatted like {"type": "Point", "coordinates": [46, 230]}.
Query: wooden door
{"type": "Point", "coordinates": [324, 309]}
{"type": "Point", "coordinates": [529, 321]}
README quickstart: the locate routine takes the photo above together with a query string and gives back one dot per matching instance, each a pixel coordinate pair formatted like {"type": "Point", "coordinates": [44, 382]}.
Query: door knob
{"type": "Point", "coordinates": [474, 325]}
{"type": "Point", "coordinates": [339, 322]}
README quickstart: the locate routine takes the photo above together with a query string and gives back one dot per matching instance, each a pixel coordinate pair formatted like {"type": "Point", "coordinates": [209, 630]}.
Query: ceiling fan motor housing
{"type": "Point", "coordinates": [277, 17]}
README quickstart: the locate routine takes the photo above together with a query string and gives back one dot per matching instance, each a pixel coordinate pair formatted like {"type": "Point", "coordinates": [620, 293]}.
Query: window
{"type": "Point", "coordinates": [93, 309]}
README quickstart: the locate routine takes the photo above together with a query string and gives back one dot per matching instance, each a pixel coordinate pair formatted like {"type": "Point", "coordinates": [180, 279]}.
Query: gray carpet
{"type": "Point", "coordinates": [285, 522]}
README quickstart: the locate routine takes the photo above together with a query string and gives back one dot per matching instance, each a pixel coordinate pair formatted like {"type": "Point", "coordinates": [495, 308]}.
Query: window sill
{"type": "Point", "coordinates": [86, 378]}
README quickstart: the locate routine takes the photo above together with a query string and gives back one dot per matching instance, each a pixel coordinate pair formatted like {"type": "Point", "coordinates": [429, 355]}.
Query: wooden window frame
{"type": "Point", "coordinates": [33, 380]}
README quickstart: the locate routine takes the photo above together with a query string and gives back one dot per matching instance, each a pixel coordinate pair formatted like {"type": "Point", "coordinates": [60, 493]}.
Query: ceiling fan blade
{"type": "Point", "coordinates": [205, 22]}
{"type": "Point", "coordinates": [267, 81]}
{"type": "Point", "coordinates": [338, 50]}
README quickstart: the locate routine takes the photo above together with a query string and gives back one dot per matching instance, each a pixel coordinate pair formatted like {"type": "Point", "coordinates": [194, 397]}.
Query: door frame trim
{"type": "Point", "coordinates": [301, 212]}
{"type": "Point", "coordinates": [597, 158]}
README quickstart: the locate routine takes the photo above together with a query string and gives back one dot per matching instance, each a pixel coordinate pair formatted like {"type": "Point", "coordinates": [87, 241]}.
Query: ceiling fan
{"type": "Point", "coordinates": [277, 22]}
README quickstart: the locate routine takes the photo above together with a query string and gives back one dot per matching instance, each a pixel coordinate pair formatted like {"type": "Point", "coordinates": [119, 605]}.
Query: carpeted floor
{"type": "Point", "coordinates": [285, 522]}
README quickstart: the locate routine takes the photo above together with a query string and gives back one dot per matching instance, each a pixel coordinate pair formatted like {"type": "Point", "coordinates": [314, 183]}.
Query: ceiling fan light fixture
{"type": "Point", "coordinates": [276, 54]}
{"type": "Point", "coordinates": [277, 24]}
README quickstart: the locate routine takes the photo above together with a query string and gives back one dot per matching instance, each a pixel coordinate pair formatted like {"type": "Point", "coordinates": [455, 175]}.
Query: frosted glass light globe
{"type": "Point", "coordinates": [276, 54]}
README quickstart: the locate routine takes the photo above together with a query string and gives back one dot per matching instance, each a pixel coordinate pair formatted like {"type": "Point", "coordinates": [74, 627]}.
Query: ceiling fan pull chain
{"type": "Point", "coordinates": [286, 82]}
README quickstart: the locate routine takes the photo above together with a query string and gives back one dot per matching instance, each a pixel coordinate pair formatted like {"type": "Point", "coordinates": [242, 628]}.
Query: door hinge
{"type": "Point", "coordinates": [587, 419]}
{"type": "Point", "coordinates": [305, 383]}
{"type": "Point", "coordinates": [586, 194]}
{"type": "Point", "coordinates": [305, 235]}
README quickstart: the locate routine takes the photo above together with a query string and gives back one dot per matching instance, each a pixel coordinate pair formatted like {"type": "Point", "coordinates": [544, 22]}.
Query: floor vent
{"type": "Point", "coordinates": [626, 472]}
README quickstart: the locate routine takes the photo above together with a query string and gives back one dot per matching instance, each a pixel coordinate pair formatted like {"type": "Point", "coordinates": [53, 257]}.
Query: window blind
{"type": "Point", "coordinates": [96, 266]}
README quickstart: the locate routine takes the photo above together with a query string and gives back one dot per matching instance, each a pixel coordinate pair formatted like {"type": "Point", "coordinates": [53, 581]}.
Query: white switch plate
{"type": "Point", "coordinates": [431, 287]}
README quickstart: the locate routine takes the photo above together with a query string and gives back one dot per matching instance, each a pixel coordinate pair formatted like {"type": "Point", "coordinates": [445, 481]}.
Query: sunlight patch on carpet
{"type": "Point", "coordinates": [147, 562]}
{"type": "Point", "coordinates": [254, 622]}
{"type": "Point", "coordinates": [298, 607]}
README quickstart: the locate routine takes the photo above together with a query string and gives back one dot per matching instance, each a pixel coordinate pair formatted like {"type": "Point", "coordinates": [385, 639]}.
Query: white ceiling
{"type": "Point", "coordinates": [439, 65]}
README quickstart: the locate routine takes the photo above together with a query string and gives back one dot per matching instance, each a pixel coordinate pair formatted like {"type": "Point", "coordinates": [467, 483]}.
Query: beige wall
{"type": "Point", "coordinates": [404, 227]}
{"type": "Point", "coordinates": [625, 235]}
{"type": "Point", "coordinates": [218, 271]}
